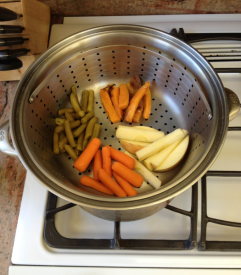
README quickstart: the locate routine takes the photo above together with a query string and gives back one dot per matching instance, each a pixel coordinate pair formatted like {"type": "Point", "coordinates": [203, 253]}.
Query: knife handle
{"type": "Point", "coordinates": [10, 29]}
{"type": "Point", "coordinates": [8, 54]}
{"type": "Point", "coordinates": [11, 64]}
{"type": "Point", "coordinates": [12, 41]}
{"type": "Point", "coordinates": [8, 15]}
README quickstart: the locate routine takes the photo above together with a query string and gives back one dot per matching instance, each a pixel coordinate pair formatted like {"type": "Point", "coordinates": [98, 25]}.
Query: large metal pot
{"type": "Point", "coordinates": [186, 91]}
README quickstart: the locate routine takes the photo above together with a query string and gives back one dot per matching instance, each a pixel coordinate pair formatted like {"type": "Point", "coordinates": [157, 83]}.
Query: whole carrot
{"type": "Point", "coordinates": [106, 160]}
{"type": "Point", "coordinates": [129, 175]}
{"type": "Point", "coordinates": [147, 104]}
{"type": "Point", "coordinates": [130, 191]}
{"type": "Point", "coordinates": [97, 164]}
{"type": "Point", "coordinates": [121, 157]}
{"type": "Point", "coordinates": [130, 112]}
{"type": "Point", "coordinates": [87, 181]}
{"type": "Point", "coordinates": [85, 158]}
{"type": "Point", "coordinates": [110, 183]}
{"type": "Point", "coordinates": [115, 92]}
{"type": "Point", "coordinates": [123, 97]}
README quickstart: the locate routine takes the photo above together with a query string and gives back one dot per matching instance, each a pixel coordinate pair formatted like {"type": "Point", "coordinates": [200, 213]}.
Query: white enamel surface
{"type": "Point", "coordinates": [223, 197]}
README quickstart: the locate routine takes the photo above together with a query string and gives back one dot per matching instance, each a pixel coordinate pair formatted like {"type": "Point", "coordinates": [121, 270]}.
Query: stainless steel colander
{"type": "Point", "coordinates": [186, 93]}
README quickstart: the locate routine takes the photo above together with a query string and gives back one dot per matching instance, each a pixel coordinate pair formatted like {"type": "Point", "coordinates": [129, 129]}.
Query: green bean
{"type": "Point", "coordinates": [62, 142]}
{"type": "Point", "coordinates": [56, 143]}
{"type": "Point", "coordinates": [69, 134]}
{"type": "Point", "coordinates": [96, 131]}
{"type": "Point", "coordinates": [85, 142]}
{"type": "Point", "coordinates": [90, 101]}
{"type": "Point", "coordinates": [69, 117]}
{"type": "Point", "coordinates": [87, 117]}
{"type": "Point", "coordinates": [71, 151]}
{"type": "Point", "coordinates": [59, 121]}
{"type": "Point", "coordinates": [63, 111]}
{"type": "Point", "coordinates": [73, 89]}
{"type": "Point", "coordinates": [73, 124]}
{"type": "Point", "coordinates": [84, 100]}
{"type": "Point", "coordinates": [90, 127]}
{"type": "Point", "coordinates": [75, 103]}
{"type": "Point", "coordinates": [79, 130]}
{"type": "Point", "coordinates": [80, 141]}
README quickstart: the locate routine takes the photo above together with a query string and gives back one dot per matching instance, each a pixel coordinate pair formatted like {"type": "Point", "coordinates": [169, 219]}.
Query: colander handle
{"type": "Point", "coordinates": [5, 146]}
{"type": "Point", "coordinates": [233, 103]}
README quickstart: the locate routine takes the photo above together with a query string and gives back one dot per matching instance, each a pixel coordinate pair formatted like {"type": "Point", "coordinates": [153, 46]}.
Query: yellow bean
{"type": "Point", "coordinates": [73, 125]}
{"type": "Point", "coordinates": [87, 117]}
{"type": "Point", "coordinates": [91, 101]}
{"type": "Point", "coordinates": [85, 142]}
{"type": "Point", "coordinates": [71, 151]}
{"type": "Point", "coordinates": [75, 103]}
{"type": "Point", "coordinates": [81, 113]}
{"type": "Point", "coordinates": [79, 130]}
{"type": "Point", "coordinates": [69, 134]}
{"type": "Point", "coordinates": [80, 141]}
{"type": "Point", "coordinates": [69, 117]}
{"type": "Point", "coordinates": [59, 121]}
{"type": "Point", "coordinates": [76, 151]}
{"type": "Point", "coordinates": [96, 131]}
{"type": "Point", "coordinates": [62, 142]}
{"type": "Point", "coordinates": [84, 100]}
{"type": "Point", "coordinates": [73, 88]}
{"type": "Point", "coordinates": [90, 127]}
{"type": "Point", "coordinates": [63, 111]}
{"type": "Point", "coordinates": [56, 143]}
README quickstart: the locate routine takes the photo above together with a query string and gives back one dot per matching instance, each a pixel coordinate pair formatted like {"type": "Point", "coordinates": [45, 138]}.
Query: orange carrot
{"type": "Point", "coordinates": [121, 157]}
{"type": "Point", "coordinates": [138, 112]}
{"type": "Point", "coordinates": [106, 160]}
{"type": "Point", "coordinates": [126, 173]}
{"type": "Point", "coordinates": [130, 191]}
{"type": "Point", "coordinates": [130, 112]}
{"type": "Point", "coordinates": [85, 158]}
{"type": "Point", "coordinates": [110, 183]}
{"type": "Point", "coordinates": [147, 104]}
{"type": "Point", "coordinates": [87, 181]}
{"type": "Point", "coordinates": [124, 97]}
{"type": "Point", "coordinates": [97, 164]}
{"type": "Point", "coordinates": [106, 101]}
{"type": "Point", "coordinates": [115, 92]}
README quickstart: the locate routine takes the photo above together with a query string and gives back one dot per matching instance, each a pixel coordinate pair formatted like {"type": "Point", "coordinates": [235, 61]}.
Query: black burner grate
{"type": "Point", "coordinates": [54, 239]}
{"type": "Point", "coordinates": [216, 245]}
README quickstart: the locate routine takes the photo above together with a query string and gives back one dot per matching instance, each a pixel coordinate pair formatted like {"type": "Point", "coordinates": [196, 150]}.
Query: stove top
{"type": "Point", "coordinates": [195, 228]}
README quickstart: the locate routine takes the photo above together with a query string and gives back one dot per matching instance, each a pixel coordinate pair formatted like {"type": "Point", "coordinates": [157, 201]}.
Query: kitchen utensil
{"type": "Point", "coordinates": [4, 29]}
{"type": "Point", "coordinates": [8, 15]}
{"type": "Point", "coordinates": [8, 54]}
{"type": "Point", "coordinates": [11, 64]}
{"type": "Point", "coordinates": [10, 41]}
{"type": "Point", "coordinates": [186, 93]}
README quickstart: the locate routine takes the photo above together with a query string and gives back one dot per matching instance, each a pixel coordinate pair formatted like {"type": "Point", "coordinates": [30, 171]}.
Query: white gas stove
{"type": "Point", "coordinates": [31, 253]}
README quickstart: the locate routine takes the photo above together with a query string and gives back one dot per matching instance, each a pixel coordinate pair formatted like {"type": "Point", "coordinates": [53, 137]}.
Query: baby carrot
{"type": "Point", "coordinates": [130, 191]}
{"type": "Point", "coordinates": [121, 157]}
{"type": "Point", "coordinates": [130, 112]}
{"type": "Point", "coordinates": [87, 181]}
{"type": "Point", "coordinates": [97, 164]}
{"type": "Point", "coordinates": [123, 97]}
{"type": "Point", "coordinates": [110, 183]}
{"type": "Point", "coordinates": [85, 158]}
{"type": "Point", "coordinates": [147, 104]}
{"type": "Point", "coordinates": [106, 101]}
{"type": "Point", "coordinates": [129, 175]}
{"type": "Point", "coordinates": [115, 92]}
{"type": "Point", "coordinates": [106, 160]}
